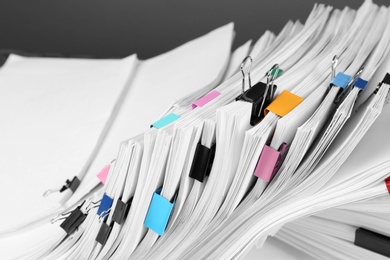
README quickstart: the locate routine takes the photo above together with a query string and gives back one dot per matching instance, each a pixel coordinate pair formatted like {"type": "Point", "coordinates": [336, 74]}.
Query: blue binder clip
{"type": "Point", "coordinates": [341, 80]}
{"type": "Point", "coordinates": [159, 212]}
{"type": "Point", "coordinates": [360, 83]}
{"type": "Point", "coordinates": [105, 207]}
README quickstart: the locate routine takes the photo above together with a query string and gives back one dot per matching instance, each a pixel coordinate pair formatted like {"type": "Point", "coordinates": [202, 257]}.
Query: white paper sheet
{"type": "Point", "coordinates": [52, 112]}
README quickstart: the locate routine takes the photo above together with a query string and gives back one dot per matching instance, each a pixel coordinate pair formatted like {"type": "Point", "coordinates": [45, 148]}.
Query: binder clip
{"type": "Point", "coordinates": [360, 83]}
{"type": "Point", "coordinates": [372, 241]}
{"type": "Point", "coordinates": [203, 162]}
{"type": "Point", "coordinates": [72, 185]}
{"type": "Point", "coordinates": [73, 221]}
{"type": "Point", "coordinates": [355, 81]}
{"type": "Point", "coordinates": [104, 233]}
{"type": "Point", "coordinates": [159, 213]}
{"type": "Point", "coordinates": [61, 216]}
{"type": "Point", "coordinates": [164, 121]}
{"type": "Point", "coordinates": [269, 162]}
{"type": "Point", "coordinates": [105, 207]}
{"type": "Point", "coordinates": [261, 94]}
{"type": "Point", "coordinates": [103, 174]}
{"type": "Point", "coordinates": [387, 182]}
{"type": "Point", "coordinates": [283, 104]}
{"type": "Point", "coordinates": [386, 80]}
{"type": "Point", "coordinates": [121, 210]}
{"type": "Point", "coordinates": [118, 216]}
{"type": "Point", "coordinates": [205, 99]}
{"type": "Point", "coordinates": [341, 80]}
{"type": "Point", "coordinates": [333, 67]}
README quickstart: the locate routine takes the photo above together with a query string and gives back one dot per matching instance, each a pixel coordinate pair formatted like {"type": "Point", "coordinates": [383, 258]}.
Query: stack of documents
{"type": "Point", "coordinates": [203, 152]}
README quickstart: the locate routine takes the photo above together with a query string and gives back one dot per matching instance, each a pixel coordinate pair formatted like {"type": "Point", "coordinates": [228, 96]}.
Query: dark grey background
{"type": "Point", "coordinates": [116, 28]}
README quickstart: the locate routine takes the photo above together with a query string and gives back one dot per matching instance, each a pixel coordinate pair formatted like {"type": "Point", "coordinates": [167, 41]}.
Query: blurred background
{"type": "Point", "coordinates": [117, 28]}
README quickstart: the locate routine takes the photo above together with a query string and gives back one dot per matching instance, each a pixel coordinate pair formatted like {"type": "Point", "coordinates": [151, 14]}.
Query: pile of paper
{"type": "Point", "coordinates": [202, 153]}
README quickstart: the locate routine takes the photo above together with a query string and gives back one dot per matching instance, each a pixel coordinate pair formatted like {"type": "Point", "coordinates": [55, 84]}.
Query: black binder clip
{"type": "Point", "coordinates": [120, 212]}
{"type": "Point", "coordinates": [73, 221]}
{"type": "Point", "coordinates": [119, 215]}
{"type": "Point", "coordinates": [104, 233]}
{"type": "Point", "coordinates": [72, 185]}
{"type": "Point", "coordinates": [203, 162]}
{"type": "Point", "coordinates": [261, 94]}
{"type": "Point", "coordinates": [386, 80]}
{"type": "Point", "coordinates": [372, 241]}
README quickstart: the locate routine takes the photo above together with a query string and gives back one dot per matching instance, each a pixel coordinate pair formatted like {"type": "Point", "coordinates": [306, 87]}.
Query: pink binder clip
{"type": "Point", "coordinates": [206, 99]}
{"type": "Point", "coordinates": [102, 175]}
{"type": "Point", "coordinates": [269, 162]}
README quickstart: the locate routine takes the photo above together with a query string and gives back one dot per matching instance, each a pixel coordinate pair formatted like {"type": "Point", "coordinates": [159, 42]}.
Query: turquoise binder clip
{"type": "Point", "coordinates": [166, 120]}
